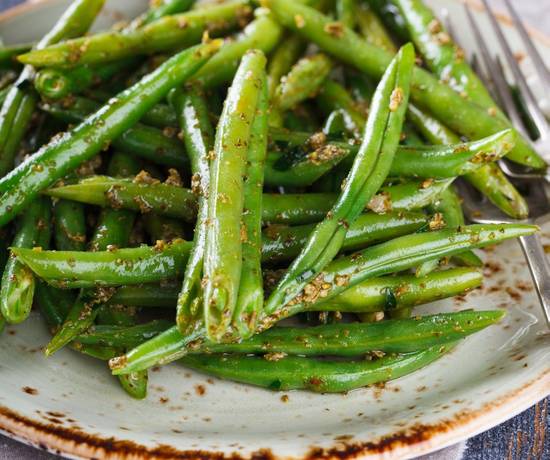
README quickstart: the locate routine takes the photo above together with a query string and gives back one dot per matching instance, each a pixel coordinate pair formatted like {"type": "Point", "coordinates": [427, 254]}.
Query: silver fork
{"type": "Point", "coordinates": [476, 207]}
{"type": "Point", "coordinates": [494, 68]}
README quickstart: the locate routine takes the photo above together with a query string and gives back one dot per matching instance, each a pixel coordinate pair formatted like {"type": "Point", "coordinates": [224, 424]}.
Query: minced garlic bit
{"type": "Point", "coordinates": [492, 111]}
{"type": "Point", "coordinates": [299, 21]}
{"type": "Point", "coordinates": [143, 177]}
{"type": "Point", "coordinates": [317, 140]}
{"type": "Point", "coordinates": [443, 38]}
{"type": "Point", "coordinates": [396, 99]}
{"type": "Point", "coordinates": [437, 222]}
{"type": "Point", "coordinates": [275, 356]}
{"type": "Point", "coordinates": [379, 316]}
{"type": "Point", "coordinates": [434, 27]}
{"type": "Point", "coordinates": [427, 183]}
{"type": "Point", "coordinates": [336, 29]}
{"type": "Point", "coordinates": [380, 203]}
{"type": "Point", "coordinates": [324, 154]}
{"type": "Point", "coordinates": [174, 178]}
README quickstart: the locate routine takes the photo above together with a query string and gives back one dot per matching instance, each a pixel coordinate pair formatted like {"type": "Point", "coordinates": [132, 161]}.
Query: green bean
{"type": "Point", "coordinates": [296, 373]}
{"type": "Point", "coordinates": [302, 166]}
{"type": "Point", "coordinates": [54, 304]}
{"type": "Point", "coordinates": [66, 152]}
{"type": "Point", "coordinates": [282, 60]}
{"type": "Point", "coordinates": [17, 288]}
{"type": "Point", "coordinates": [140, 140]}
{"type": "Point", "coordinates": [399, 254]}
{"type": "Point", "coordinates": [370, 168]}
{"type": "Point", "coordinates": [373, 30]}
{"type": "Point", "coordinates": [113, 230]}
{"type": "Point", "coordinates": [348, 340]}
{"type": "Point", "coordinates": [450, 207]}
{"type": "Point", "coordinates": [443, 56]}
{"type": "Point", "coordinates": [69, 226]}
{"type": "Point", "coordinates": [346, 11]}
{"type": "Point", "coordinates": [489, 179]}
{"type": "Point", "coordinates": [302, 81]}
{"type": "Point", "coordinates": [9, 53]}
{"type": "Point", "coordinates": [116, 267]}
{"type": "Point", "coordinates": [390, 293]}
{"type": "Point", "coordinates": [122, 337]}
{"type": "Point", "coordinates": [19, 105]}
{"type": "Point", "coordinates": [391, 18]}
{"type": "Point", "coordinates": [291, 209]}
{"type": "Point", "coordinates": [161, 9]}
{"type": "Point", "coordinates": [76, 269]}
{"type": "Point", "coordinates": [198, 137]}
{"type": "Point", "coordinates": [334, 96]}
{"type": "Point", "coordinates": [250, 299]}
{"type": "Point", "coordinates": [427, 92]}
{"type": "Point", "coordinates": [261, 34]}
{"type": "Point", "coordinates": [175, 31]}
{"type": "Point", "coordinates": [135, 384]}
{"type": "Point", "coordinates": [147, 295]}
{"type": "Point", "coordinates": [163, 228]}
{"type": "Point", "coordinates": [223, 246]}
{"type": "Point", "coordinates": [372, 295]}
{"type": "Point", "coordinates": [282, 243]}
{"type": "Point", "coordinates": [113, 314]}
{"type": "Point", "coordinates": [55, 84]}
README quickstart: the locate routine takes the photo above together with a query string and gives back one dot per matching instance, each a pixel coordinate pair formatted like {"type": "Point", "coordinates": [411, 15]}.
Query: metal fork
{"type": "Point", "coordinates": [494, 68]}
{"type": "Point", "coordinates": [476, 207]}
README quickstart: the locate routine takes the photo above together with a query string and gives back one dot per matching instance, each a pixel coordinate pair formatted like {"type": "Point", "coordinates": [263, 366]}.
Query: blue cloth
{"type": "Point", "coordinates": [522, 437]}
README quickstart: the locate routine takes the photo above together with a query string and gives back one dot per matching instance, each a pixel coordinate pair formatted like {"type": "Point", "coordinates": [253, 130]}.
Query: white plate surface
{"type": "Point", "coordinates": [71, 404]}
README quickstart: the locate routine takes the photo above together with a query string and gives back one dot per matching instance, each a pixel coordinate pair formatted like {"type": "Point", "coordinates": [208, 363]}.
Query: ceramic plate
{"type": "Point", "coordinates": [71, 404]}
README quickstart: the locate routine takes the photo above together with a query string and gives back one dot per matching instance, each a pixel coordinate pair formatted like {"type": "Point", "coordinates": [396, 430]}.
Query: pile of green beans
{"type": "Point", "coordinates": [201, 190]}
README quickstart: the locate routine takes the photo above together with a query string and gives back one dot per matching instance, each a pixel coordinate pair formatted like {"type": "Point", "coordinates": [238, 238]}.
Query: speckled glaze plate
{"type": "Point", "coordinates": [71, 405]}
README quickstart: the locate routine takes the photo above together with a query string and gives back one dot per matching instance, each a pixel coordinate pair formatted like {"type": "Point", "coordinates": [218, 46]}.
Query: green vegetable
{"type": "Point", "coordinates": [427, 91]}
{"type": "Point", "coordinates": [198, 136]}
{"type": "Point", "coordinates": [63, 154]}
{"type": "Point", "coordinates": [20, 102]}
{"type": "Point", "coordinates": [223, 248]}
{"type": "Point", "coordinates": [174, 31]}
{"type": "Point", "coordinates": [18, 283]}
{"type": "Point", "coordinates": [370, 168]}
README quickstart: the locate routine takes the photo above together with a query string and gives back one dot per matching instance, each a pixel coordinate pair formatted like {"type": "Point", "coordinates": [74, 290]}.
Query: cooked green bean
{"type": "Point", "coordinates": [302, 81]}
{"type": "Point", "coordinates": [349, 339]}
{"type": "Point", "coordinates": [488, 179]}
{"type": "Point", "coordinates": [69, 226]}
{"type": "Point", "coordinates": [19, 105]}
{"type": "Point", "coordinates": [261, 34]}
{"type": "Point", "coordinates": [427, 91]}
{"type": "Point", "coordinates": [370, 168]}
{"type": "Point", "coordinates": [291, 209]}
{"type": "Point", "coordinates": [36, 173]}
{"type": "Point", "coordinates": [296, 373]}
{"type": "Point", "coordinates": [223, 247]}
{"type": "Point", "coordinates": [282, 60]}
{"type": "Point", "coordinates": [175, 31]}
{"type": "Point", "coordinates": [250, 299]}
{"type": "Point", "coordinates": [302, 165]}
{"type": "Point", "coordinates": [368, 296]}
{"type": "Point", "coordinates": [198, 137]}
{"type": "Point", "coordinates": [18, 283]}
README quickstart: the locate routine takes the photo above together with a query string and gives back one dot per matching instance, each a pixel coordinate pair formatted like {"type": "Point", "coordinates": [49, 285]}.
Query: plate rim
{"type": "Point", "coordinates": [418, 441]}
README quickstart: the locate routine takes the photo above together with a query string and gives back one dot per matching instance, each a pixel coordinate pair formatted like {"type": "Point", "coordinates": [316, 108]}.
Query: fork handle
{"type": "Point", "coordinates": [539, 268]}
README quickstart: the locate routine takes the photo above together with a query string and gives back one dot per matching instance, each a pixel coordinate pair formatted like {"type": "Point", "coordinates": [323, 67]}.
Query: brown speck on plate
{"type": "Point", "coordinates": [30, 391]}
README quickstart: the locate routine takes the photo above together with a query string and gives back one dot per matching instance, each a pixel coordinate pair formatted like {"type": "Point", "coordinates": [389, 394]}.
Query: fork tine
{"type": "Point", "coordinates": [530, 101]}
{"type": "Point", "coordinates": [498, 79]}
{"type": "Point", "coordinates": [505, 96]}
{"type": "Point", "coordinates": [478, 69]}
{"type": "Point", "coordinates": [540, 66]}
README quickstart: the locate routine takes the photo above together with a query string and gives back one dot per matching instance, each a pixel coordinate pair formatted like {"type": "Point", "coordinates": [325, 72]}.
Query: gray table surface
{"type": "Point", "coordinates": [526, 436]}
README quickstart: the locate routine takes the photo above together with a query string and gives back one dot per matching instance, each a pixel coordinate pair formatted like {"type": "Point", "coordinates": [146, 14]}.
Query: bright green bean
{"type": "Point", "coordinates": [370, 168]}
